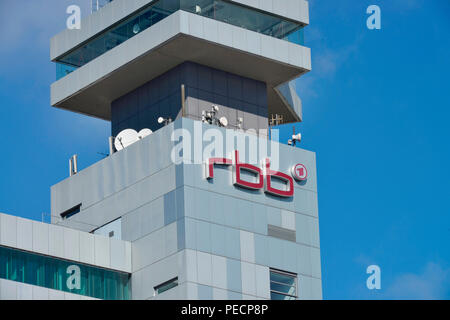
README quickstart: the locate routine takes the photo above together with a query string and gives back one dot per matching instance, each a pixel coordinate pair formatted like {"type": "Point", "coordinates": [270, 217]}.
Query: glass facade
{"type": "Point", "coordinates": [63, 70]}
{"type": "Point", "coordinates": [220, 10]}
{"type": "Point", "coordinates": [246, 18]}
{"type": "Point", "coordinates": [283, 285]}
{"type": "Point", "coordinates": [63, 275]}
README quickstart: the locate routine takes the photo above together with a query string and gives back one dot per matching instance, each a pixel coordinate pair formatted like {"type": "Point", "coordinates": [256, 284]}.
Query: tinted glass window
{"type": "Point", "coordinates": [283, 285]}
{"type": "Point", "coordinates": [58, 274]}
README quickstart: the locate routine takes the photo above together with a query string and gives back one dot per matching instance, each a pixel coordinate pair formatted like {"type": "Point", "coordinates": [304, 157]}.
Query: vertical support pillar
{"type": "Point", "coordinates": [183, 101]}
{"type": "Point", "coordinates": [70, 167]}
{"type": "Point", "coordinates": [73, 165]}
{"type": "Point", "coordinates": [111, 145]}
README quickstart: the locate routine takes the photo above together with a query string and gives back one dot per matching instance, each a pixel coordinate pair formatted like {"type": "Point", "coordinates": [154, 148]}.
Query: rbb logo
{"type": "Point", "coordinates": [263, 176]}
{"type": "Point", "coordinates": [299, 172]}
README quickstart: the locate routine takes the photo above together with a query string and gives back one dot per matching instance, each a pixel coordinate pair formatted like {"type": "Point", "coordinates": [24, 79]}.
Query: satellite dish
{"type": "Point", "coordinates": [144, 133]}
{"type": "Point", "coordinates": [223, 122]}
{"type": "Point", "coordinates": [129, 136]}
{"type": "Point", "coordinates": [125, 138]}
{"type": "Point", "coordinates": [160, 120]}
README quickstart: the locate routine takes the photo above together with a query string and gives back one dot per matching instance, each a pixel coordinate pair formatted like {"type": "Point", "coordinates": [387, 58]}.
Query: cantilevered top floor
{"type": "Point", "coordinates": [98, 66]}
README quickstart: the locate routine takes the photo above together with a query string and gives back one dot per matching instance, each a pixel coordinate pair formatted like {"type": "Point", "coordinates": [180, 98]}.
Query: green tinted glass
{"type": "Point", "coordinates": [58, 274]}
{"type": "Point", "coordinates": [283, 285]}
{"type": "Point", "coordinates": [166, 286]}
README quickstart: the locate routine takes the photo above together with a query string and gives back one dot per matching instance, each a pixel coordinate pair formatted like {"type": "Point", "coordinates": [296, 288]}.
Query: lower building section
{"type": "Point", "coordinates": [138, 225]}
{"type": "Point", "coordinates": [63, 275]}
{"type": "Point", "coordinates": [43, 261]}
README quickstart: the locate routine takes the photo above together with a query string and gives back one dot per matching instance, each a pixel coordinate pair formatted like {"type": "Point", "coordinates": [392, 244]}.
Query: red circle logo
{"type": "Point", "coordinates": [299, 172]}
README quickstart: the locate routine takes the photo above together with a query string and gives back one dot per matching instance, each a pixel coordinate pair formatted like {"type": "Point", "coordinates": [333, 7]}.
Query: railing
{"type": "Point", "coordinates": [98, 4]}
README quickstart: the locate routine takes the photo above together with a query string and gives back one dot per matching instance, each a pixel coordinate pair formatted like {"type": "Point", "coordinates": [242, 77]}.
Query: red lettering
{"type": "Point", "coordinates": [264, 177]}
{"type": "Point", "coordinates": [268, 174]}
{"type": "Point", "coordinates": [237, 180]}
{"type": "Point", "coordinates": [210, 165]}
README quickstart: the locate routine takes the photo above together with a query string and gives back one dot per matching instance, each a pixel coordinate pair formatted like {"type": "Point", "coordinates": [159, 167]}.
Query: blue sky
{"type": "Point", "coordinates": [376, 107]}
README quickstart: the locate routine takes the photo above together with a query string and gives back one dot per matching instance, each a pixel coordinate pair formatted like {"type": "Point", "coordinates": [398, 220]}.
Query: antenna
{"type": "Point", "coordinates": [295, 138]}
{"type": "Point", "coordinates": [276, 121]}
{"type": "Point", "coordinates": [223, 122]}
{"type": "Point", "coordinates": [166, 121]}
{"type": "Point", "coordinates": [183, 101]}
{"type": "Point", "coordinates": [240, 122]}
{"type": "Point", "coordinates": [210, 116]}
{"type": "Point", "coordinates": [73, 165]}
{"type": "Point", "coordinates": [111, 145]}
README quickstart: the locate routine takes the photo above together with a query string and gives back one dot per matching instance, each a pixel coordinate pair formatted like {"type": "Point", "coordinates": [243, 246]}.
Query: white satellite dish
{"type": "Point", "coordinates": [223, 122]}
{"type": "Point", "coordinates": [160, 120]}
{"type": "Point", "coordinates": [129, 136]}
{"type": "Point", "coordinates": [144, 133]}
{"type": "Point", "coordinates": [125, 138]}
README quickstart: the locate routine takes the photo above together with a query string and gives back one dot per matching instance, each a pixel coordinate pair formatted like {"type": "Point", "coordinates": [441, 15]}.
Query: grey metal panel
{"type": "Point", "coordinates": [117, 172]}
{"type": "Point", "coordinates": [281, 233]}
{"type": "Point", "coordinates": [12, 290]}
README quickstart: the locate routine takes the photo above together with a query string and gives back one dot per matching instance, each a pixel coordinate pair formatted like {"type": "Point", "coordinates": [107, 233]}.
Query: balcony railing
{"type": "Point", "coordinates": [98, 4]}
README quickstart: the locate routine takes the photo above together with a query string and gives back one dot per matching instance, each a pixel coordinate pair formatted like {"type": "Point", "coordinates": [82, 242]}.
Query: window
{"type": "Point", "coordinates": [63, 275]}
{"type": "Point", "coordinates": [283, 285]}
{"type": "Point", "coordinates": [166, 286]}
{"type": "Point", "coordinates": [71, 212]}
